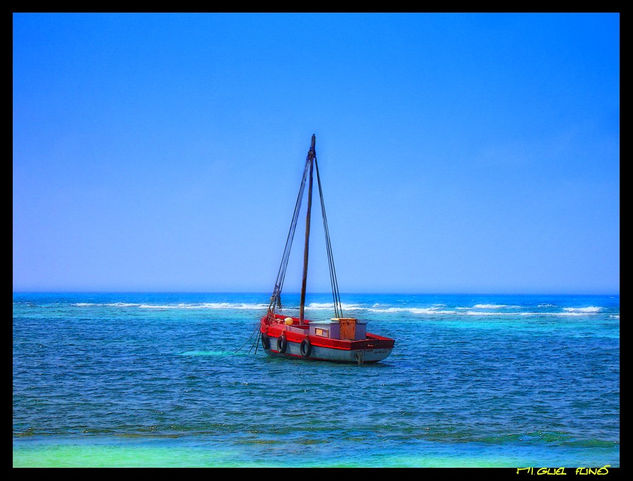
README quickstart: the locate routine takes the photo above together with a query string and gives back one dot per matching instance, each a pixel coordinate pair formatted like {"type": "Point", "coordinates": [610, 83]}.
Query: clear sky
{"type": "Point", "coordinates": [472, 153]}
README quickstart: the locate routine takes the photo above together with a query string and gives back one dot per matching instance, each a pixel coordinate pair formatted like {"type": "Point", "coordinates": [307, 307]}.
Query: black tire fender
{"type": "Point", "coordinates": [306, 347]}
{"type": "Point", "coordinates": [282, 344]}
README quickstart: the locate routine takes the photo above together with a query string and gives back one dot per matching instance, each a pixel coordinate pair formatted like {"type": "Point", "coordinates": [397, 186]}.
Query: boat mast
{"type": "Point", "coordinates": [311, 156]}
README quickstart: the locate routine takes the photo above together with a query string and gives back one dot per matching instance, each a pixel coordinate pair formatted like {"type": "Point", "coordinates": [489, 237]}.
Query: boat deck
{"type": "Point", "coordinates": [274, 327]}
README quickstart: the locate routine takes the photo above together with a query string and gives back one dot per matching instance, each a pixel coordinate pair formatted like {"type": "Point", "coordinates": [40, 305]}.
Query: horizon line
{"type": "Point", "coordinates": [429, 293]}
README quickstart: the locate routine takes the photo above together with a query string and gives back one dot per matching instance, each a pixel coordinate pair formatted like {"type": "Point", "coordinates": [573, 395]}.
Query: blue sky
{"type": "Point", "coordinates": [471, 153]}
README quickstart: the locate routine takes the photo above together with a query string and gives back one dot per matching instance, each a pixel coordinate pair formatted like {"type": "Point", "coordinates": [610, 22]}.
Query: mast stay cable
{"type": "Point", "coordinates": [275, 299]}
{"type": "Point", "coordinates": [336, 298]}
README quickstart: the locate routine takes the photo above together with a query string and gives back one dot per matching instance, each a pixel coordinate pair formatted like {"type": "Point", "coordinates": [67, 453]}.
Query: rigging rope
{"type": "Point", "coordinates": [336, 298]}
{"type": "Point", "coordinates": [255, 330]}
{"type": "Point", "coordinates": [275, 299]}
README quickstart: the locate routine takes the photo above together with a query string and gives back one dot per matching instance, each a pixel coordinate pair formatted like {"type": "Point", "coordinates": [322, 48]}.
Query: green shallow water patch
{"type": "Point", "coordinates": [86, 455]}
{"type": "Point", "coordinates": [108, 452]}
{"type": "Point", "coordinates": [211, 353]}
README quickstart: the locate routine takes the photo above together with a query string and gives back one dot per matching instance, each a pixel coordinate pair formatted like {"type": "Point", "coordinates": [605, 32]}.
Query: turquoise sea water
{"type": "Point", "coordinates": [174, 380]}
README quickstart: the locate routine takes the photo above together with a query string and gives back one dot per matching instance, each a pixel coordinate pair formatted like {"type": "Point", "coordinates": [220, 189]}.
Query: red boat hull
{"type": "Point", "coordinates": [294, 341]}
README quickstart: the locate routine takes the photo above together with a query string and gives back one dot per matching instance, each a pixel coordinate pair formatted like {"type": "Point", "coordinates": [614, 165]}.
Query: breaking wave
{"type": "Point", "coordinates": [181, 305]}
{"type": "Point", "coordinates": [436, 309]}
{"type": "Point", "coordinates": [494, 306]}
{"type": "Point", "coordinates": [582, 309]}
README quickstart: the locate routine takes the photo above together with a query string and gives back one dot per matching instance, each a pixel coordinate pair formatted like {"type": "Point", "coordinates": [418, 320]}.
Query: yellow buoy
{"type": "Point", "coordinates": [288, 321]}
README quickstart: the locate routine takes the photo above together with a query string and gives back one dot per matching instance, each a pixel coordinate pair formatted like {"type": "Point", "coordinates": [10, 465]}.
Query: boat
{"type": "Point", "coordinates": [339, 339]}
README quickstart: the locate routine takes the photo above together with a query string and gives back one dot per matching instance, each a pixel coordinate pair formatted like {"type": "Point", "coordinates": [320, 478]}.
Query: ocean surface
{"type": "Point", "coordinates": [176, 380]}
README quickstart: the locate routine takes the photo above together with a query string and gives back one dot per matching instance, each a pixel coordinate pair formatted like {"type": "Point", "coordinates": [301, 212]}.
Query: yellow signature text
{"type": "Point", "coordinates": [582, 471]}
